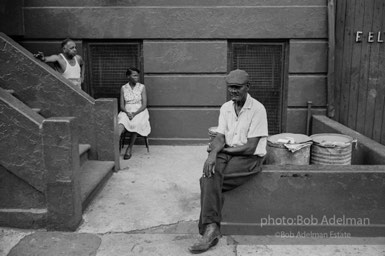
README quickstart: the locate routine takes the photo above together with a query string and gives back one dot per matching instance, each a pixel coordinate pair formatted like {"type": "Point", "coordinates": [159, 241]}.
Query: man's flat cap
{"type": "Point", "coordinates": [237, 77]}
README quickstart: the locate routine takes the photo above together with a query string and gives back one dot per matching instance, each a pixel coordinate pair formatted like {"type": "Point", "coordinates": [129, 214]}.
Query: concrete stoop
{"type": "Point", "coordinates": [48, 185]}
{"type": "Point", "coordinates": [90, 176]}
{"type": "Point", "coordinates": [93, 175]}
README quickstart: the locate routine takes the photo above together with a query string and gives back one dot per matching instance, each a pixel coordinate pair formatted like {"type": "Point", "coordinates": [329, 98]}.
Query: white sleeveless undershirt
{"type": "Point", "coordinates": [72, 73]}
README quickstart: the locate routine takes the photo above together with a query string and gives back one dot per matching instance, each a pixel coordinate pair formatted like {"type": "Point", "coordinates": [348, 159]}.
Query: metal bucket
{"type": "Point", "coordinates": [331, 149]}
{"type": "Point", "coordinates": [288, 148]}
{"type": "Point", "coordinates": [212, 133]}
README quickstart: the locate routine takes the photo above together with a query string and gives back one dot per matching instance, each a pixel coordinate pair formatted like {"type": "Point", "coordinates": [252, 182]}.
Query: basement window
{"type": "Point", "coordinates": [108, 63]}
{"type": "Point", "coordinates": [264, 62]}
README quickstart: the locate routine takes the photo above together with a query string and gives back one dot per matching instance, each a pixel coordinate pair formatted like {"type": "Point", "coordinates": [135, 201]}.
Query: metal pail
{"type": "Point", "coordinates": [331, 149]}
{"type": "Point", "coordinates": [288, 148]}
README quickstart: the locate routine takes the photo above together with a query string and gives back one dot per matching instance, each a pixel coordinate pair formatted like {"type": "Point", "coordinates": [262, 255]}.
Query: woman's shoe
{"type": "Point", "coordinates": [127, 156]}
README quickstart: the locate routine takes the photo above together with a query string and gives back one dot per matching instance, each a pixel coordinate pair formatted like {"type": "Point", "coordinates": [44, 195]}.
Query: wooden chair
{"type": "Point", "coordinates": [125, 135]}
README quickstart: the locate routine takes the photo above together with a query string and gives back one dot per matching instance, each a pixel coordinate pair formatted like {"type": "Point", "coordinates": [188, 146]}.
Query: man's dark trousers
{"type": "Point", "coordinates": [230, 172]}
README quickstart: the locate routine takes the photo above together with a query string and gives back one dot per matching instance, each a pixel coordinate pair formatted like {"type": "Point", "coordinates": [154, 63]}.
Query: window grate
{"type": "Point", "coordinates": [108, 63]}
{"type": "Point", "coordinates": [264, 64]}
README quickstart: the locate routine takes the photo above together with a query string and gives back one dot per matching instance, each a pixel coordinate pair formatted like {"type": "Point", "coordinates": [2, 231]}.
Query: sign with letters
{"type": "Point", "coordinates": [371, 37]}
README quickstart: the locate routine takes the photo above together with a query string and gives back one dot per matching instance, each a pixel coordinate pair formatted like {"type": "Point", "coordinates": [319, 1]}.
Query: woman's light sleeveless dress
{"type": "Point", "coordinates": [133, 99]}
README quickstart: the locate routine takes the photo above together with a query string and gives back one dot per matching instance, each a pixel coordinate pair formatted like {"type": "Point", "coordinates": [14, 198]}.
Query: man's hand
{"type": "Point", "coordinates": [40, 56]}
{"type": "Point", "coordinates": [209, 166]}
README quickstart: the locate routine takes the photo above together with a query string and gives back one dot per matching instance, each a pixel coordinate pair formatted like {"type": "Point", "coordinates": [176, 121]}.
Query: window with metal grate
{"type": "Point", "coordinates": [108, 63]}
{"type": "Point", "coordinates": [264, 62]}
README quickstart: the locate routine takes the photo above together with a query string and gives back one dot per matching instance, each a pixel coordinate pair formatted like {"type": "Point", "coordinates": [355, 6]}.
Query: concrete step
{"type": "Point", "coordinates": [23, 218]}
{"type": "Point", "coordinates": [93, 176]}
{"type": "Point", "coordinates": [83, 152]}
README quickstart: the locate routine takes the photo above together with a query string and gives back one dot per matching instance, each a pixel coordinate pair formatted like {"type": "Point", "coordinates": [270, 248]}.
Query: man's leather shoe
{"type": "Point", "coordinates": [209, 239]}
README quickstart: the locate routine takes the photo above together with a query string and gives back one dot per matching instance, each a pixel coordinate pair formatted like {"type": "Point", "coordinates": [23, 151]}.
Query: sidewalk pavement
{"type": "Point", "coordinates": [151, 207]}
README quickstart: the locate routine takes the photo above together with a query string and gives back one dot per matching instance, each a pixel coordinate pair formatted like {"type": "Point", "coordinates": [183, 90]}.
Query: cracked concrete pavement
{"type": "Point", "coordinates": [151, 207]}
{"type": "Point", "coordinates": [151, 189]}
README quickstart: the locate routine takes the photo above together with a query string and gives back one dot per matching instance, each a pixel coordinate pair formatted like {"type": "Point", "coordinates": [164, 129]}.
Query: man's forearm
{"type": "Point", "coordinates": [240, 150]}
{"type": "Point", "coordinates": [217, 144]}
{"type": "Point", "coordinates": [247, 149]}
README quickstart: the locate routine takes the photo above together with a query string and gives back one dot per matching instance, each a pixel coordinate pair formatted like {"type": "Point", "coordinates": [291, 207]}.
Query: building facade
{"type": "Point", "coordinates": [185, 48]}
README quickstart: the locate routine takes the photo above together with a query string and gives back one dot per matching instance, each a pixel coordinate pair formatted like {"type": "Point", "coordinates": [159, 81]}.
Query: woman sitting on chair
{"type": "Point", "coordinates": [134, 115]}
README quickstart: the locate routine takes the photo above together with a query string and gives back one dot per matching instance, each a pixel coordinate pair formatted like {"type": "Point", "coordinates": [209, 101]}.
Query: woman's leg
{"type": "Point", "coordinates": [121, 129]}
{"type": "Point", "coordinates": [133, 136]}
{"type": "Point", "coordinates": [128, 153]}
{"type": "Point", "coordinates": [121, 140]}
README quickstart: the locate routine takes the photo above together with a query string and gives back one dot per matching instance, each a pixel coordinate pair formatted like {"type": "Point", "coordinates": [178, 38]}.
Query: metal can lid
{"type": "Point", "coordinates": [332, 139]}
{"type": "Point", "coordinates": [289, 138]}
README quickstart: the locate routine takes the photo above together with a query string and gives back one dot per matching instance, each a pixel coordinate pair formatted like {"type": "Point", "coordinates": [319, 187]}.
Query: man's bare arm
{"type": "Point", "coordinates": [52, 58]}
{"type": "Point", "coordinates": [82, 67]}
{"type": "Point", "coordinates": [247, 149]}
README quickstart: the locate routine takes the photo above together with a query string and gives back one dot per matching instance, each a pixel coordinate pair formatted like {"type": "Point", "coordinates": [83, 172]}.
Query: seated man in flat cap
{"type": "Point", "coordinates": [235, 154]}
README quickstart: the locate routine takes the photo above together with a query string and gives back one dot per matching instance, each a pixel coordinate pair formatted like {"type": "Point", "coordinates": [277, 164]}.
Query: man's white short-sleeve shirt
{"type": "Point", "coordinates": [251, 122]}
